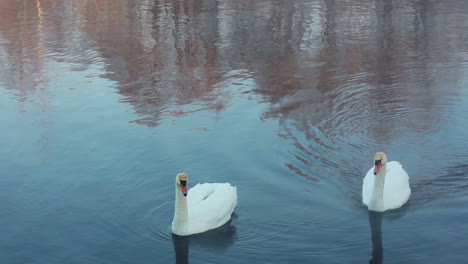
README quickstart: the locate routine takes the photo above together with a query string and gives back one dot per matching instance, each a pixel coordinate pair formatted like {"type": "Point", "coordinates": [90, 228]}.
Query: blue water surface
{"type": "Point", "coordinates": [103, 103]}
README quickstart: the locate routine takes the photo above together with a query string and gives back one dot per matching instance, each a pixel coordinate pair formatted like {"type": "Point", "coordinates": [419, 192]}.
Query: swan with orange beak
{"type": "Point", "coordinates": [204, 207]}
{"type": "Point", "coordinates": [386, 185]}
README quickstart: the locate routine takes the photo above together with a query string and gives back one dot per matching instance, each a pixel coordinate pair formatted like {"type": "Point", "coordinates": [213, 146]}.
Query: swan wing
{"type": "Point", "coordinates": [211, 205]}
{"type": "Point", "coordinates": [199, 192]}
{"type": "Point", "coordinates": [397, 190]}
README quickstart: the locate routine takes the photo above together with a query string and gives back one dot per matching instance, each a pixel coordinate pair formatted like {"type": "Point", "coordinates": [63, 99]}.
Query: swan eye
{"type": "Point", "coordinates": [377, 162]}
{"type": "Point", "coordinates": [183, 183]}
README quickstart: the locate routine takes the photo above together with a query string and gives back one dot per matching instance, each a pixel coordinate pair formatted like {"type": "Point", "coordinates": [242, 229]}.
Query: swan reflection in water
{"type": "Point", "coordinates": [218, 239]}
{"type": "Point", "coordinates": [375, 222]}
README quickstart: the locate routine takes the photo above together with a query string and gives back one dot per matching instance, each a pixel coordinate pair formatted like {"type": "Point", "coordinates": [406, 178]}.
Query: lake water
{"type": "Point", "coordinates": [103, 102]}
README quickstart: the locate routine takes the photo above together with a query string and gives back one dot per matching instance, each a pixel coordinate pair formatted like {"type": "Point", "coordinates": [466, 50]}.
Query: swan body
{"type": "Point", "coordinates": [385, 186]}
{"type": "Point", "coordinates": [204, 207]}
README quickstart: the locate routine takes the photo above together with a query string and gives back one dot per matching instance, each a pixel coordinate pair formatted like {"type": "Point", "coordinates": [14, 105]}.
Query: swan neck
{"type": "Point", "coordinates": [377, 202]}
{"type": "Point", "coordinates": [180, 222]}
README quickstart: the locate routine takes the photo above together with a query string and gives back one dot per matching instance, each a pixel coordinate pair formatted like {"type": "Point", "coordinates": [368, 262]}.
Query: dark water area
{"type": "Point", "coordinates": [103, 102]}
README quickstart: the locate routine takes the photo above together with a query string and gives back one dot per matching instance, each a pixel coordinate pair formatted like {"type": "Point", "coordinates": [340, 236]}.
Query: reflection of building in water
{"type": "Point", "coordinates": [24, 58]}
{"type": "Point", "coordinates": [161, 55]}
{"type": "Point", "coordinates": [304, 57]}
{"type": "Point", "coordinates": [22, 53]}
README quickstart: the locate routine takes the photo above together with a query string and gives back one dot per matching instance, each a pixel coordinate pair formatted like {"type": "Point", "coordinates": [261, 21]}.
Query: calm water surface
{"type": "Point", "coordinates": [103, 102]}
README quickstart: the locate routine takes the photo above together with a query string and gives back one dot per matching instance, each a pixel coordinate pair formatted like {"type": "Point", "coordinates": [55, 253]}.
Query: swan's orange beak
{"type": "Point", "coordinates": [183, 186]}
{"type": "Point", "coordinates": [378, 164]}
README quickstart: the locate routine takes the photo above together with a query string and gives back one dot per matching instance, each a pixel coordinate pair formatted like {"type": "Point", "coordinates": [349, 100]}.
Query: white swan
{"type": "Point", "coordinates": [206, 206]}
{"type": "Point", "coordinates": [386, 185]}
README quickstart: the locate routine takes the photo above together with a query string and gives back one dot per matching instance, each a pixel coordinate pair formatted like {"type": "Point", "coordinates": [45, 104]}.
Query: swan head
{"type": "Point", "coordinates": [380, 159]}
{"type": "Point", "coordinates": [181, 181]}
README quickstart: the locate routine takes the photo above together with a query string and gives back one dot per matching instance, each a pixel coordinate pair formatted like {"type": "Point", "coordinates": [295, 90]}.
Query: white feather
{"type": "Point", "coordinates": [207, 206]}
{"type": "Point", "coordinates": [396, 188]}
